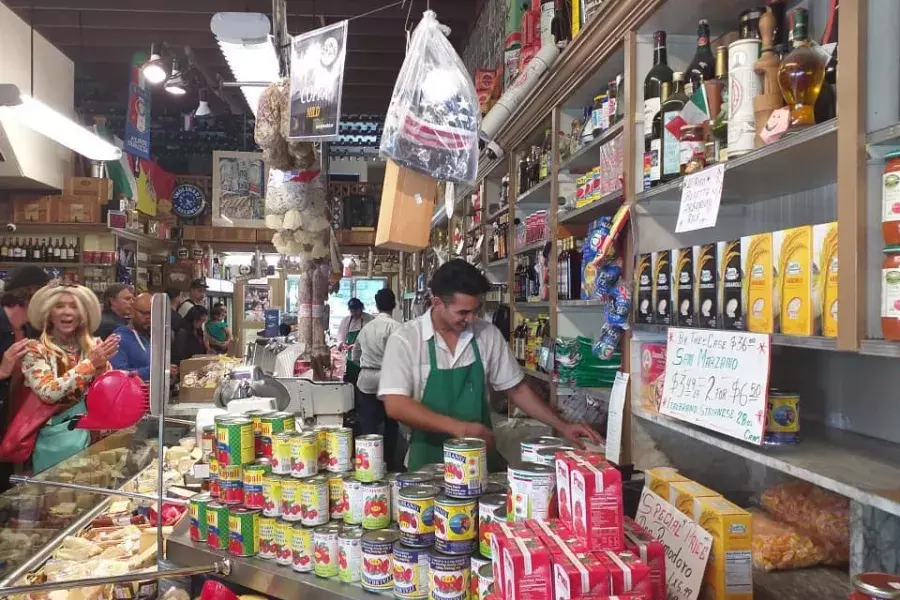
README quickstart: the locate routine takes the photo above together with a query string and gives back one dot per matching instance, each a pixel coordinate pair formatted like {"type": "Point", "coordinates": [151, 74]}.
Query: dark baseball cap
{"type": "Point", "coordinates": [26, 276]}
{"type": "Point", "coordinates": [198, 283]}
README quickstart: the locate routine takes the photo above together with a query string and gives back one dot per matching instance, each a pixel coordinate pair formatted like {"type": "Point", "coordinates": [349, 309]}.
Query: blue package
{"type": "Point", "coordinates": [618, 307]}
{"type": "Point", "coordinates": [606, 346]}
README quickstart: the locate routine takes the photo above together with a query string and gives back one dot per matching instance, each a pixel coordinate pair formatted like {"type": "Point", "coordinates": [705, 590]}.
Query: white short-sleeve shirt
{"type": "Point", "coordinates": [406, 365]}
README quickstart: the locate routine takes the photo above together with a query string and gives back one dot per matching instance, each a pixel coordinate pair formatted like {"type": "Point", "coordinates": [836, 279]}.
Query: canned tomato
{"type": "Point", "coordinates": [376, 505]}
{"type": "Point", "coordinates": [301, 548]}
{"type": "Point", "coordinates": [440, 484]}
{"type": "Point", "coordinates": [454, 524]}
{"type": "Point", "coordinates": [532, 494]}
{"type": "Point", "coordinates": [369, 458]}
{"type": "Point", "coordinates": [475, 565]}
{"type": "Point", "coordinates": [322, 445]}
{"type": "Point", "coordinates": [391, 479]}
{"type": "Point", "coordinates": [465, 467]}
{"type": "Point", "coordinates": [283, 540]}
{"type": "Point", "coordinates": [401, 480]}
{"type": "Point", "coordinates": [336, 496]}
{"type": "Point", "coordinates": [271, 425]}
{"type": "Point", "coordinates": [198, 522]}
{"type": "Point", "coordinates": [217, 526]}
{"type": "Point", "coordinates": [290, 499]}
{"type": "Point", "coordinates": [339, 441]}
{"type": "Point", "coordinates": [325, 543]}
{"type": "Point", "coordinates": [377, 564]}
{"type": "Point", "coordinates": [304, 447]}
{"type": "Point", "coordinates": [243, 531]}
{"type": "Point", "coordinates": [449, 578]}
{"type": "Point", "coordinates": [271, 489]}
{"type": "Point", "coordinates": [235, 442]}
{"type": "Point", "coordinates": [498, 479]}
{"type": "Point", "coordinates": [349, 555]}
{"type": "Point", "coordinates": [417, 515]}
{"type": "Point", "coordinates": [255, 417]}
{"type": "Point", "coordinates": [485, 581]}
{"type": "Point", "coordinates": [410, 572]}
{"type": "Point", "coordinates": [231, 484]}
{"type": "Point", "coordinates": [281, 452]}
{"type": "Point", "coordinates": [531, 445]}
{"type": "Point", "coordinates": [353, 500]}
{"type": "Point", "coordinates": [253, 478]}
{"type": "Point", "coordinates": [268, 549]}
{"type": "Point", "coordinates": [215, 486]}
{"type": "Point", "coordinates": [547, 456]}
{"type": "Point", "coordinates": [486, 507]}
{"type": "Point", "coordinates": [314, 501]}
{"type": "Point", "coordinates": [208, 443]}
{"type": "Point", "coordinates": [782, 418]}
{"type": "Point", "coordinates": [433, 469]}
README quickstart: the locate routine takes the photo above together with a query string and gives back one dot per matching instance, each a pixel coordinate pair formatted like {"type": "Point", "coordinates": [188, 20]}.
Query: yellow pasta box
{"type": "Point", "coordinates": [825, 274]}
{"type": "Point", "coordinates": [793, 296]}
{"type": "Point", "coordinates": [658, 480]}
{"type": "Point", "coordinates": [756, 256]}
{"type": "Point", "coordinates": [730, 293]}
{"type": "Point", "coordinates": [729, 571]}
{"type": "Point", "coordinates": [683, 493]}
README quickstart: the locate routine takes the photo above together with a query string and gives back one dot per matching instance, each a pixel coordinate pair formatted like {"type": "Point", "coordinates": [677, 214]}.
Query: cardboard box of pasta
{"type": "Point", "coordinates": [683, 286]}
{"type": "Point", "coordinates": [793, 290]}
{"type": "Point", "coordinates": [683, 493]}
{"type": "Point", "coordinates": [825, 274]}
{"type": "Point", "coordinates": [643, 283]}
{"type": "Point", "coordinates": [730, 290]}
{"type": "Point", "coordinates": [757, 269]}
{"type": "Point", "coordinates": [706, 276]}
{"type": "Point", "coordinates": [659, 479]}
{"type": "Point", "coordinates": [729, 572]}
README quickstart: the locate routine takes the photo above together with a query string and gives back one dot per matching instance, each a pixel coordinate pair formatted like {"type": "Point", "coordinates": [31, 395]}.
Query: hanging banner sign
{"type": "Point", "coordinates": [718, 380]}
{"type": "Point", "coordinates": [317, 81]}
{"type": "Point", "coordinates": [137, 127]}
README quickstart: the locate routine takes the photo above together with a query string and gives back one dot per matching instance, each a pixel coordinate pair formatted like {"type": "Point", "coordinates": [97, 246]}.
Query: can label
{"type": "Point", "coordinates": [449, 578]}
{"type": "Point", "coordinates": [377, 570]}
{"type": "Point", "coordinates": [349, 559]}
{"type": "Point", "coordinates": [235, 442]}
{"type": "Point", "coordinates": [283, 541]}
{"type": "Point", "coordinates": [340, 449]}
{"type": "Point", "coordinates": [301, 551]}
{"type": "Point", "coordinates": [270, 426]}
{"type": "Point", "coordinates": [304, 462]}
{"type": "Point", "coordinates": [217, 526]}
{"type": "Point", "coordinates": [531, 495]}
{"type": "Point", "coordinates": [254, 475]}
{"type": "Point", "coordinates": [410, 572]}
{"type": "Point", "coordinates": [198, 522]}
{"type": "Point", "coordinates": [465, 469]}
{"type": "Point", "coordinates": [271, 489]}
{"type": "Point", "coordinates": [325, 552]}
{"type": "Point", "coordinates": [395, 497]}
{"type": "Point", "coordinates": [369, 458]}
{"type": "Point", "coordinates": [243, 532]}
{"type": "Point", "coordinates": [782, 419]}
{"type": "Point", "coordinates": [475, 564]}
{"type": "Point", "coordinates": [268, 549]}
{"type": "Point", "coordinates": [454, 526]}
{"type": "Point", "coordinates": [336, 496]}
{"type": "Point", "coordinates": [416, 521]}
{"type": "Point", "coordinates": [281, 454]}
{"type": "Point", "coordinates": [376, 511]}
{"type": "Point", "coordinates": [314, 501]}
{"type": "Point", "coordinates": [745, 84]}
{"type": "Point", "coordinates": [215, 486]}
{"type": "Point", "coordinates": [486, 507]}
{"type": "Point", "coordinates": [231, 484]}
{"type": "Point", "coordinates": [290, 499]}
{"type": "Point", "coordinates": [322, 446]}
{"type": "Point", "coordinates": [353, 501]}
{"type": "Point", "coordinates": [485, 582]}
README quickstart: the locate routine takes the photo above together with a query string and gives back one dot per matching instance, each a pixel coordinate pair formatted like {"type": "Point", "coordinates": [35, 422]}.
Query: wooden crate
{"type": "Point", "coordinates": [79, 209]}
{"type": "Point", "coordinates": [204, 234]}
{"type": "Point", "coordinates": [34, 209]}
{"type": "Point", "coordinates": [350, 237]}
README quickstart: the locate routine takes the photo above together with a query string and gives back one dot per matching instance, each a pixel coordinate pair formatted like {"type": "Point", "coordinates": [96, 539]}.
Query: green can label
{"type": "Point", "coordinates": [325, 550]}
{"type": "Point", "coordinates": [217, 526]}
{"type": "Point", "coordinates": [243, 532]}
{"type": "Point", "coordinates": [235, 442]}
{"type": "Point", "coordinates": [198, 525]}
{"type": "Point", "coordinates": [376, 505]}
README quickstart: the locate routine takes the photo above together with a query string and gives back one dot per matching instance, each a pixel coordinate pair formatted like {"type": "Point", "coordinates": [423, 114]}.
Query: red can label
{"type": "Point", "coordinates": [231, 486]}
{"type": "Point", "coordinates": [253, 486]}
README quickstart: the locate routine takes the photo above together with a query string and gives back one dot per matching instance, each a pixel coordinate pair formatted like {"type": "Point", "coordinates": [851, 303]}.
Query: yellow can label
{"type": "Point", "coordinates": [304, 456]}
{"type": "Point", "coordinates": [290, 499]}
{"type": "Point", "coordinates": [340, 450]}
{"type": "Point", "coordinates": [336, 496]}
{"type": "Point", "coordinates": [314, 508]}
{"type": "Point", "coordinates": [322, 447]}
{"type": "Point", "coordinates": [302, 549]}
{"type": "Point", "coordinates": [271, 487]}
{"type": "Point", "coordinates": [284, 533]}
{"type": "Point", "coordinates": [454, 527]}
{"type": "Point", "coordinates": [281, 455]}
{"type": "Point", "coordinates": [465, 471]}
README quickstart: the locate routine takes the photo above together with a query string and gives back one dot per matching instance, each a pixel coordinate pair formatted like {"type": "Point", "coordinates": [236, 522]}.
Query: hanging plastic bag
{"type": "Point", "coordinates": [432, 122]}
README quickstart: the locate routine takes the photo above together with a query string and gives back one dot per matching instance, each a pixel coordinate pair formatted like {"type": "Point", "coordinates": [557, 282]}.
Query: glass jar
{"type": "Point", "coordinates": [890, 293]}
{"type": "Point", "coordinates": [692, 143]}
{"type": "Point", "coordinates": [869, 586]}
{"type": "Point", "coordinates": [890, 199]}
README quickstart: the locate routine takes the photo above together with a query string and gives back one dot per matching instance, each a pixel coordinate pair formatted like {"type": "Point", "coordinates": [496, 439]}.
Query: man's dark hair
{"type": "Point", "coordinates": [385, 301]}
{"type": "Point", "coordinates": [172, 293]}
{"type": "Point", "coordinates": [114, 290]}
{"type": "Point", "coordinates": [196, 313]}
{"type": "Point", "coordinates": [218, 309]}
{"type": "Point", "coordinates": [19, 297]}
{"type": "Point", "coordinates": [31, 277]}
{"type": "Point", "coordinates": [458, 277]}
{"type": "Point", "coordinates": [355, 304]}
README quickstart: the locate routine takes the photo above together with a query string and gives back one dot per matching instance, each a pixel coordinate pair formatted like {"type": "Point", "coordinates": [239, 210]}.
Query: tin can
{"type": "Point", "coordinates": [547, 456]}
{"type": "Point", "coordinates": [271, 425]}
{"type": "Point", "coordinates": [339, 441]}
{"type": "Point", "coordinates": [302, 545]}
{"type": "Point", "coordinates": [271, 489]}
{"type": "Point", "coordinates": [198, 524]}
{"type": "Point", "coordinates": [336, 496]}
{"type": "Point", "coordinates": [268, 549]}
{"type": "Point", "coordinates": [215, 486]}
{"type": "Point", "coordinates": [281, 452]}
{"type": "Point", "coordinates": [486, 507]}
{"type": "Point", "coordinates": [465, 467]}
{"type": "Point", "coordinates": [217, 526]}
{"type": "Point", "coordinates": [325, 546]}
{"type": "Point", "coordinates": [455, 520]}
{"type": "Point", "coordinates": [253, 478]}
{"type": "Point", "coordinates": [283, 539]}
{"type": "Point", "coordinates": [353, 500]}
{"type": "Point", "coordinates": [235, 442]}
{"type": "Point", "coordinates": [322, 445]}
{"type": "Point", "coordinates": [231, 484]}
{"type": "Point", "coordinates": [475, 565]}
{"type": "Point", "coordinates": [377, 560]}
{"type": "Point", "coordinates": [744, 84]}
{"type": "Point", "coordinates": [314, 501]}
{"type": "Point", "coordinates": [410, 572]}
{"type": "Point", "coordinates": [417, 515]}
{"type": "Point", "coordinates": [532, 492]}
{"type": "Point", "coordinates": [255, 417]}
{"type": "Point", "coordinates": [376, 505]}
{"type": "Point", "coordinates": [350, 555]}
{"type": "Point", "coordinates": [530, 446]}
{"type": "Point", "coordinates": [369, 458]}
{"type": "Point", "coordinates": [782, 418]}
{"type": "Point", "coordinates": [433, 469]}
{"type": "Point", "coordinates": [304, 450]}
{"type": "Point", "coordinates": [401, 480]}
{"type": "Point", "coordinates": [485, 581]}
{"type": "Point", "coordinates": [500, 479]}
{"type": "Point", "coordinates": [290, 499]}
{"type": "Point", "coordinates": [208, 443]}
{"type": "Point", "coordinates": [243, 531]}
{"type": "Point", "coordinates": [449, 578]}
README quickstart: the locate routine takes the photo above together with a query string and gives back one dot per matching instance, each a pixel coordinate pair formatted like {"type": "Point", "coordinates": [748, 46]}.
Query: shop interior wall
{"type": "Point", "coordinates": [484, 48]}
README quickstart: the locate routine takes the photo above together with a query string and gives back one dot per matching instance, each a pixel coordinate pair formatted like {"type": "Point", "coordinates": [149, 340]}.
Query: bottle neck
{"type": "Point", "coordinates": [660, 55]}
{"type": "Point", "coordinates": [703, 38]}
{"type": "Point", "coordinates": [677, 87]}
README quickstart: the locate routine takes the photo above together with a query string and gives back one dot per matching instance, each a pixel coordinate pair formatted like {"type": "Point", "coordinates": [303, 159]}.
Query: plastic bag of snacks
{"type": "Point", "coordinates": [778, 546]}
{"type": "Point", "coordinates": [432, 122]}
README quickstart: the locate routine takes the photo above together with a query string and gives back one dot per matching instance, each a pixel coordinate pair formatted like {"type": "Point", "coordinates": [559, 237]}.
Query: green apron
{"type": "Point", "coordinates": [457, 393]}
{"type": "Point", "coordinates": [351, 374]}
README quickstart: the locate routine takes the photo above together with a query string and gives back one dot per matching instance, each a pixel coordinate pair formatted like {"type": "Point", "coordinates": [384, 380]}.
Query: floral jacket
{"type": "Point", "coordinates": [40, 375]}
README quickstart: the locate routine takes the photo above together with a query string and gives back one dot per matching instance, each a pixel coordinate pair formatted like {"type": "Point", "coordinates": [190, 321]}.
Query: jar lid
{"type": "Point", "coordinates": [890, 155]}
{"type": "Point", "coordinates": [878, 585]}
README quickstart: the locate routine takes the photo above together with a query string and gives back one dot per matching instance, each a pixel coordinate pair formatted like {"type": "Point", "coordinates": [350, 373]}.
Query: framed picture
{"type": "Point", "coordinates": [239, 189]}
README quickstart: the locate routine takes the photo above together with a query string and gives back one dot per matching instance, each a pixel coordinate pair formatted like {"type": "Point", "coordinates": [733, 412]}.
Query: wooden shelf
{"type": "Point", "coordinates": [605, 206]}
{"type": "Point", "coordinates": [813, 342]}
{"type": "Point", "coordinates": [494, 216]}
{"type": "Point", "coordinates": [54, 265]}
{"type": "Point", "coordinates": [531, 247]}
{"type": "Point", "coordinates": [576, 304]}
{"type": "Point", "coordinates": [532, 305]}
{"type": "Point", "coordinates": [536, 198]}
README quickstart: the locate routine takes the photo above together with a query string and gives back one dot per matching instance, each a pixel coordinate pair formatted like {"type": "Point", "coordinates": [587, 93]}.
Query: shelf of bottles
{"type": "Point", "coordinates": [46, 251]}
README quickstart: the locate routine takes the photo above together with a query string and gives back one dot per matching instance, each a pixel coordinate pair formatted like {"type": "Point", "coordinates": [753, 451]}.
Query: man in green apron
{"type": "Point", "coordinates": [437, 367]}
{"type": "Point", "coordinates": [349, 330]}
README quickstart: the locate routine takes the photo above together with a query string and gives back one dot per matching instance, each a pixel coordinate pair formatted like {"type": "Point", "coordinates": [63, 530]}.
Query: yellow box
{"type": "Point", "coordinates": [825, 275]}
{"type": "Point", "coordinates": [793, 295]}
{"type": "Point", "coordinates": [757, 267]}
{"type": "Point", "coordinates": [683, 493]}
{"type": "Point", "coordinates": [658, 480]}
{"type": "Point", "coordinates": [729, 572]}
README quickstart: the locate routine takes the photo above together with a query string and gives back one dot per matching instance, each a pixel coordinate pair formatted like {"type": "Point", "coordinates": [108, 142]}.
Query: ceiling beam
{"type": "Point", "coordinates": [97, 61]}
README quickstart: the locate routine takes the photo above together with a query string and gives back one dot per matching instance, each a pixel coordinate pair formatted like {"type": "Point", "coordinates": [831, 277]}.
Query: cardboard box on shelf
{"type": "Point", "coordinates": [825, 270]}
{"type": "Point", "coordinates": [793, 295]}
{"type": "Point", "coordinates": [729, 572]}
{"type": "Point", "coordinates": [526, 570]}
{"type": "Point", "coordinates": [95, 188]}
{"type": "Point", "coordinates": [407, 205]}
{"type": "Point", "coordinates": [682, 494]}
{"type": "Point", "coordinates": [34, 209]}
{"type": "Point", "coordinates": [194, 394]}
{"type": "Point", "coordinates": [627, 573]}
{"type": "Point", "coordinates": [79, 209]}
{"type": "Point", "coordinates": [579, 575]}
{"type": "Point", "coordinates": [659, 478]}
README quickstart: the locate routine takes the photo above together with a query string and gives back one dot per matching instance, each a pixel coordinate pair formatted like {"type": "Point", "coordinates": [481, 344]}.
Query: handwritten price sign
{"type": "Point", "coordinates": [700, 198]}
{"type": "Point", "coordinates": [718, 380]}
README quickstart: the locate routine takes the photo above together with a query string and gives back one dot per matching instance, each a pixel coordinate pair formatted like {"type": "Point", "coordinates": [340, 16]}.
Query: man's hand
{"type": "Point", "coordinates": [576, 432]}
{"type": "Point", "coordinates": [475, 430]}
{"type": "Point", "coordinates": [11, 358]}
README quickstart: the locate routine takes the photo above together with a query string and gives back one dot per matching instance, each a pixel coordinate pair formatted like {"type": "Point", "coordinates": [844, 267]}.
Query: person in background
{"type": "Point", "coordinates": [218, 335]}
{"type": "Point", "coordinates": [60, 366]}
{"type": "Point", "coordinates": [134, 341]}
{"type": "Point", "coordinates": [348, 331]}
{"type": "Point", "coordinates": [368, 352]}
{"type": "Point", "coordinates": [190, 339]}
{"type": "Point", "coordinates": [174, 295]}
{"type": "Point", "coordinates": [118, 300]}
{"type": "Point", "coordinates": [196, 297]}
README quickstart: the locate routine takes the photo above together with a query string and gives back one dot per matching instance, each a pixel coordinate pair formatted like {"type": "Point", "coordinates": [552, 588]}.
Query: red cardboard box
{"type": "Point", "coordinates": [560, 539]}
{"type": "Point", "coordinates": [597, 511]}
{"type": "Point", "coordinates": [527, 574]}
{"type": "Point", "coordinates": [502, 536]}
{"type": "Point", "coordinates": [575, 576]}
{"type": "Point", "coordinates": [652, 552]}
{"type": "Point", "coordinates": [627, 573]}
{"type": "Point", "coordinates": [564, 463]}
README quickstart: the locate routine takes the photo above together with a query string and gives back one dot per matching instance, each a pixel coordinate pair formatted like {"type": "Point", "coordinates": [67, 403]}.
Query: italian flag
{"type": "Point", "coordinates": [696, 111]}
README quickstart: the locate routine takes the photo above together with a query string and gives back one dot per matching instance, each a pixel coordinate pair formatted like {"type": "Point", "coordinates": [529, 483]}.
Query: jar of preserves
{"type": "Point", "coordinates": [890, 293]}
{"type": "Point", "coordinates": [890, 199]}
{"type": "Point", "coordinates": [692, 143]}
{"type": "Point", "coordinates": [869, 586]}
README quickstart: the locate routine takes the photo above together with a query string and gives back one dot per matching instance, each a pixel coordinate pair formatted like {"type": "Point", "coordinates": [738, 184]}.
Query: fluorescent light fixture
{"type": "Point", "coordinates": [154, 70]}
{"type": "Point", "coordinates": [248, 49]}
{"type": "Point", "coordinates": [39, 117]}
{"type": "Point", "coordinates": [175, 84]}
{"type": "Point", "coordinates": [203, 106]}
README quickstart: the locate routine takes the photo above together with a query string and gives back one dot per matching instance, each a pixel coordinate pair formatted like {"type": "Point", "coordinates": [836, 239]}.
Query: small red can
{"type": "Point", "coordinates": [231, 484]}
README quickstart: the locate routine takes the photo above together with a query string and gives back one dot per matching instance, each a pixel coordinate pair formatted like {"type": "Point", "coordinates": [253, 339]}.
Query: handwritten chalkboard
{"type": "Point", "coordinates": [718, 380]}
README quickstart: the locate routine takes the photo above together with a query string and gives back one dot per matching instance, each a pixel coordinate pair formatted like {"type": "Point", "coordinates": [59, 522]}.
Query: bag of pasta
{"type": "Point", "coordinates": [777, 546]}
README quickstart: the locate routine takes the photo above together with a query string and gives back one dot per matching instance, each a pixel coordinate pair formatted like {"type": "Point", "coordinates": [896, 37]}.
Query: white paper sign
{"type": "Point", "coordinates": [718, 380]}
{"type": "Point", "coordinates": [687, 545]}
{"type": "Point", "coordinates": [614, 417]}
{"type": "Point", "coordinates": [700, 196]}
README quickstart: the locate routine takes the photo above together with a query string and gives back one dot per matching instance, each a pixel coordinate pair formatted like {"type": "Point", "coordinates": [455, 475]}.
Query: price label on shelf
{"type": "Point", "coordinates": [701, 194]}
{"type": "Point", "coordinates": [718, 380]}
{"type": "Point", "coordinates": [615, 417]}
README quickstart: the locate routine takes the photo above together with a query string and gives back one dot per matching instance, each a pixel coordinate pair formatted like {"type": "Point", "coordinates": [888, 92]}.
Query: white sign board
{"type": "Point", "coordinates": [718, 380]}
{"type": "Point", "coordinates": [687, 545]}
{"type": "Point", "coordinates": [614, 417]}
{"type": "Point", "coordinates": [701, 193]}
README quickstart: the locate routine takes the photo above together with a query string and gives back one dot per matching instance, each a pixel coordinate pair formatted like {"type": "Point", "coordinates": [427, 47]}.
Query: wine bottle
{"type": "Point", "coordinates": [660, 73]}
{"type": "Point", "coordinates": [36, 251]}
{"type": "Point", "coordinates": [701, 67]}
{"type": "Point", "coordinates": [671, 108]}
{"type": "Point", "coordinates": [656, 128]}
{"type": "Point", "coordinates": [826, 105]}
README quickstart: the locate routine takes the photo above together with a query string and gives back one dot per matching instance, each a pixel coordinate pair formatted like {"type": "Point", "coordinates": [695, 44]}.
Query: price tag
{"type": "Point", "coordinates": [615, 416]}
{"type": "Point", "coordinates": [687, 545]}
{"type": "Point", "coordinates": [718, 380]}
{"type": "Point", "coordinates": [700, 197]}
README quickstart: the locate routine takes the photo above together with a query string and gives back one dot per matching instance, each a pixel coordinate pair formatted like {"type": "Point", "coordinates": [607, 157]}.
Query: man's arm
{"type": "Point", "coordinates": [524, 397]}
{"type": "Point", "coordinates": [416, 415]}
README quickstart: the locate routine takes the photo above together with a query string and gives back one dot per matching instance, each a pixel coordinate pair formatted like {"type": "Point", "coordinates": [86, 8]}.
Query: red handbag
{"type": "Point", "coordinates": [21, 435]}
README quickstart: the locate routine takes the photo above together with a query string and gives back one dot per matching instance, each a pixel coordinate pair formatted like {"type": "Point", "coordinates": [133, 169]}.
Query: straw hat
{"type": "Point", "coordinates": [47, 297]}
